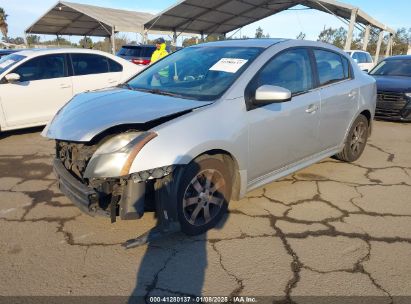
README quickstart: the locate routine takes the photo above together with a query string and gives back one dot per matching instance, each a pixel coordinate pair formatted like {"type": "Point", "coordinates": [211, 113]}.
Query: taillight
{"type": "Point", "coordinates": [141, 61]}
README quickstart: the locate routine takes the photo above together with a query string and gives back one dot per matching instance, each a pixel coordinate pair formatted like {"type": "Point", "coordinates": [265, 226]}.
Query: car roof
{"type": "Point", "coordinates": [36, 52]}
{"type": "Point", "coordinates": [357, 51]}
{"type": "Point", "coordinates": [138, 45]}
{"type": "Point", "coordinates": [262, 42]}
{"type": "Point", "coordinates": [8, 50]}
{"type": "Point", "coordinates": [405, 57]}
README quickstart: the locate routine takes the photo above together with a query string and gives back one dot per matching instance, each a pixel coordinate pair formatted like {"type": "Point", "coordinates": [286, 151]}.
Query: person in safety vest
{"type": "Point", "coordinates": [160, 51]}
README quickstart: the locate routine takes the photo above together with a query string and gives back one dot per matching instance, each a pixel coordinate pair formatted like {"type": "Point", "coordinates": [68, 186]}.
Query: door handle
{"type": "Point", "coordinates": [312, 108]}
{"type": "Point", "coordinates": [65, 86]}
{"type": "Point", "coordinates": [112, 80]}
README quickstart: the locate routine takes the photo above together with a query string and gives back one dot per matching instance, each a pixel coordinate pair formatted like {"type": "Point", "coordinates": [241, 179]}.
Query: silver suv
{"type": "Point", "coordinates": [206, 124]}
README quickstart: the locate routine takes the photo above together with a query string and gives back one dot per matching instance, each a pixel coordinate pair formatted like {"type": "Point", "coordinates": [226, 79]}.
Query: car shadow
{"type": "Point", "coordinates": [6, 134]}
{"type": "Point", "coordinates": [173, 266]}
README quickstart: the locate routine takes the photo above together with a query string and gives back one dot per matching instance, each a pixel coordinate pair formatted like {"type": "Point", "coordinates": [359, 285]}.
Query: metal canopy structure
{"type": "Point", "coordinates": [66, 18]}
{"type": "Point", "coordinates": [223, 16]}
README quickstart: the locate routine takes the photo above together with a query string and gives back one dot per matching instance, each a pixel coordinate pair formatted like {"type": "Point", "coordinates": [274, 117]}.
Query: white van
{"type": "Point", "coordinates": [363, 59]}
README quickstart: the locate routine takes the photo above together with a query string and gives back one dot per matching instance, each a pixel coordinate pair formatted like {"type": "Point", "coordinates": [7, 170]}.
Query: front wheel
{"type": "Point", "coordinates": [356, 141]}
{"type": "Point", "coordinates": [201, 194]}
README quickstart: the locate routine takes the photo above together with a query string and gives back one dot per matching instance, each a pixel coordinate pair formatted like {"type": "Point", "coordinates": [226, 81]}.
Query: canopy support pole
{"type": "Point", "coordinates": [350, 33]}
{"type": "Point", "coordinates": [389, 45]}
{"type": "Point", "coordinates": [366, 37]}
{"type": "Point", "coordinates": [174, 39]}
{"type": "Point", "coordinates": [113, 41]}
{"type": "Point", "coordinates": [377, 52]}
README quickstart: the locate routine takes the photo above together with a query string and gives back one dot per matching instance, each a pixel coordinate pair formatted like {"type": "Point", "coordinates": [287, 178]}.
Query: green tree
{"type": "Point", "coordinates": [4, 27]}
{"type": "Point", "coordinates": [301, 36]}
{"type": "Point", "coordinates": [17, 40]}
{"type": "Point", "coordinates": [33, 39]}
{"type": "Point", "coordinates": [401, 41]}
{"type": "Point", "coordinates": [333, 36]}
{"type": "Point", "coordinates": [86, 43]}
{"type": "Point", "coordinates": [259, 33]}
{"type": "Point", "coordinates": [190, 41]}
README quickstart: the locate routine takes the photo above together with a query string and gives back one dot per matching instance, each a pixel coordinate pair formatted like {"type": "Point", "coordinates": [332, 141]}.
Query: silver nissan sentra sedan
{"type": "Point", "coordinates": [206, 125]}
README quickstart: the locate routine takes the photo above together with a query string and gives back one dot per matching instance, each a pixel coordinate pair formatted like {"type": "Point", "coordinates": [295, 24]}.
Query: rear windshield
{"type": "Point", "coordinates": [137, 51]}
{"type": "Point", "coordinates": [8, 61]}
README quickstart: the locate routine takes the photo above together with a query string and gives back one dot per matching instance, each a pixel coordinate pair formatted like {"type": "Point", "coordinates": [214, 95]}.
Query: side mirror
{"type": "Point", "coordinates": [12, 77]}
{"type": "Point", "coordinates": [268, 94]}
{"type": "Point", "coordinates": [356, 60]}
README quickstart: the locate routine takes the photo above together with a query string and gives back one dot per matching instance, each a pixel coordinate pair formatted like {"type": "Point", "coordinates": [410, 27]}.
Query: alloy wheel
{"type": "Point", "coordinates": [204, 197]}
{"type": "Point", "coordinates": [358, 138]}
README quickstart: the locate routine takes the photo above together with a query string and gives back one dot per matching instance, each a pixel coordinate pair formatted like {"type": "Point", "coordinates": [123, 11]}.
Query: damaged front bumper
{"type": "Point", "coordinates": [125, 199]}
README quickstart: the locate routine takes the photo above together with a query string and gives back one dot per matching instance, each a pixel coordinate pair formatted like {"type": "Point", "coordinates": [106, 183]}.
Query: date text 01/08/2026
{"type": "Point", "coordinates": [188, 299]}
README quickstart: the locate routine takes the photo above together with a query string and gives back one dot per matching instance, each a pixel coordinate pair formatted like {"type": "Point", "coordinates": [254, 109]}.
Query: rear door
{"type": "Point", "coordinates": [339, 96]}
{"type": "Point", "coordinates": [93, 72]}
{"type": "Point", "coordinates": [283, 133]}
{"type": "Point", "coordinates": [44, 87]}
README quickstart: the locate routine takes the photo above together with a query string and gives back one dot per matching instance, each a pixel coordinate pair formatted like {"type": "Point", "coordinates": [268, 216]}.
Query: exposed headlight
{"type": "Point", "coordinates": [117, 143]}
{"type": "Point", "coordinates": [133, 148]}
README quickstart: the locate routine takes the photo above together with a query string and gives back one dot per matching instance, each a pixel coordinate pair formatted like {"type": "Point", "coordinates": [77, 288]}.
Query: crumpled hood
{"type": "Point", "coordinates": [89, 114]}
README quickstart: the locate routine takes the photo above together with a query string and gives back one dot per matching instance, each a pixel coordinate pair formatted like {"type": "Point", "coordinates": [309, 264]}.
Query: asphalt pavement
{"type": "Point", "coordinates": [333, 229]}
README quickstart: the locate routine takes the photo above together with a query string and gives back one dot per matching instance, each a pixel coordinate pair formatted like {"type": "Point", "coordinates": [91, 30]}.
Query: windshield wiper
{"type": "Point", "coordinates": [158, 92]}
{"type": "Point", "coordinates": [125, 85]}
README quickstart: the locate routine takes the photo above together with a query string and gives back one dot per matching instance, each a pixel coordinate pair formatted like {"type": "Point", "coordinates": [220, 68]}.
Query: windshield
{"type": "Point", "coordinates": [393, 67]}
{"type": "Point", "coordinates": [201, 73]}
{"type": "Point", "coordinates": [8, 61]}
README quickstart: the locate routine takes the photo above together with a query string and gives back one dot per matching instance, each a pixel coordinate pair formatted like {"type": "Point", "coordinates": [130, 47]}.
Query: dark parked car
{"type": "Point", "coordinates": [6, 52]}
{"type": "Point", "coordinates": [393, 77]}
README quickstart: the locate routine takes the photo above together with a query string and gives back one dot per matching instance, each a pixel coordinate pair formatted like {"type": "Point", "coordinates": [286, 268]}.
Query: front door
{"type": "Point", "coordinates": [284, 133]}
{"type": "Point", "coordinates": [44, 87]}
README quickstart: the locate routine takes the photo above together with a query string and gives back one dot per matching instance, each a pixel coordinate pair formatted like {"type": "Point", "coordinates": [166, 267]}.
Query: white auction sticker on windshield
{"type": "Point", "coordinates": [6, 63]}
{"type": "Point", "coordinates": [229, 65]}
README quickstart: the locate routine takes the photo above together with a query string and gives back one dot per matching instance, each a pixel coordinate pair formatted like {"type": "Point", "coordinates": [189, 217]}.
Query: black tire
{"type": "Point", "coordinates": [356, 141]}
{"type": "Point", "coordinates": [187, 191]}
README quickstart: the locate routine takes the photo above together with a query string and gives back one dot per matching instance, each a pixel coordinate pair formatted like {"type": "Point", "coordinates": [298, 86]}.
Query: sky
{"type": "Point", "coordinates": [394, 13]}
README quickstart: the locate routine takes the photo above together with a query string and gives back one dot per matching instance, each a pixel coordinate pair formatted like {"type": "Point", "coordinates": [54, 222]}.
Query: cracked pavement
{"type": "Point", "coordinates": [333, 229]}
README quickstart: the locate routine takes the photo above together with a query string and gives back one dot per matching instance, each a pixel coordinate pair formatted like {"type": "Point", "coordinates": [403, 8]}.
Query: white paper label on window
{"type": "Point", "coordinates": [6, 63]}
{"type": "Point", "coordinates": [229, 65]}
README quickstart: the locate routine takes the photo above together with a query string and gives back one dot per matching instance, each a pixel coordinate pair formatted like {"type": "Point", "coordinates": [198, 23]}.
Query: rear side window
{"type": "Point", "coordinates": [86, 64]}
{"type": "Point", "coordinates": [137, 51]}
{"type": "Point", "coordinates": [43, 67]}
{"type": "Point", "coordinates": [290, 69]}
{"type": "Point", "coordinates": [331, 67]}
{"type": "Point", "coordinates": [114, 66]}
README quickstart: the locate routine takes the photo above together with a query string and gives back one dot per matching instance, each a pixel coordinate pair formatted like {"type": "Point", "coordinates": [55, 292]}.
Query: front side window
{"type": "Point", "coordinates": [201, 73]}
{"type": "Point", "coordinates": [331, 67]}
{"type": "Point", "coordinates": [43, 67]}
{"type": "Point", "coordinates": [290, 70]}
{"type": "Point", "coordinates": [369, 58]}
{"type": "Point", "coordinates": [86, 64]}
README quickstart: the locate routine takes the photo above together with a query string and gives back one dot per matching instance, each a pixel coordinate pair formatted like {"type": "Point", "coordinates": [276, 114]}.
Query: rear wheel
{"type": "Point", "coordinates": [356, 141]}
